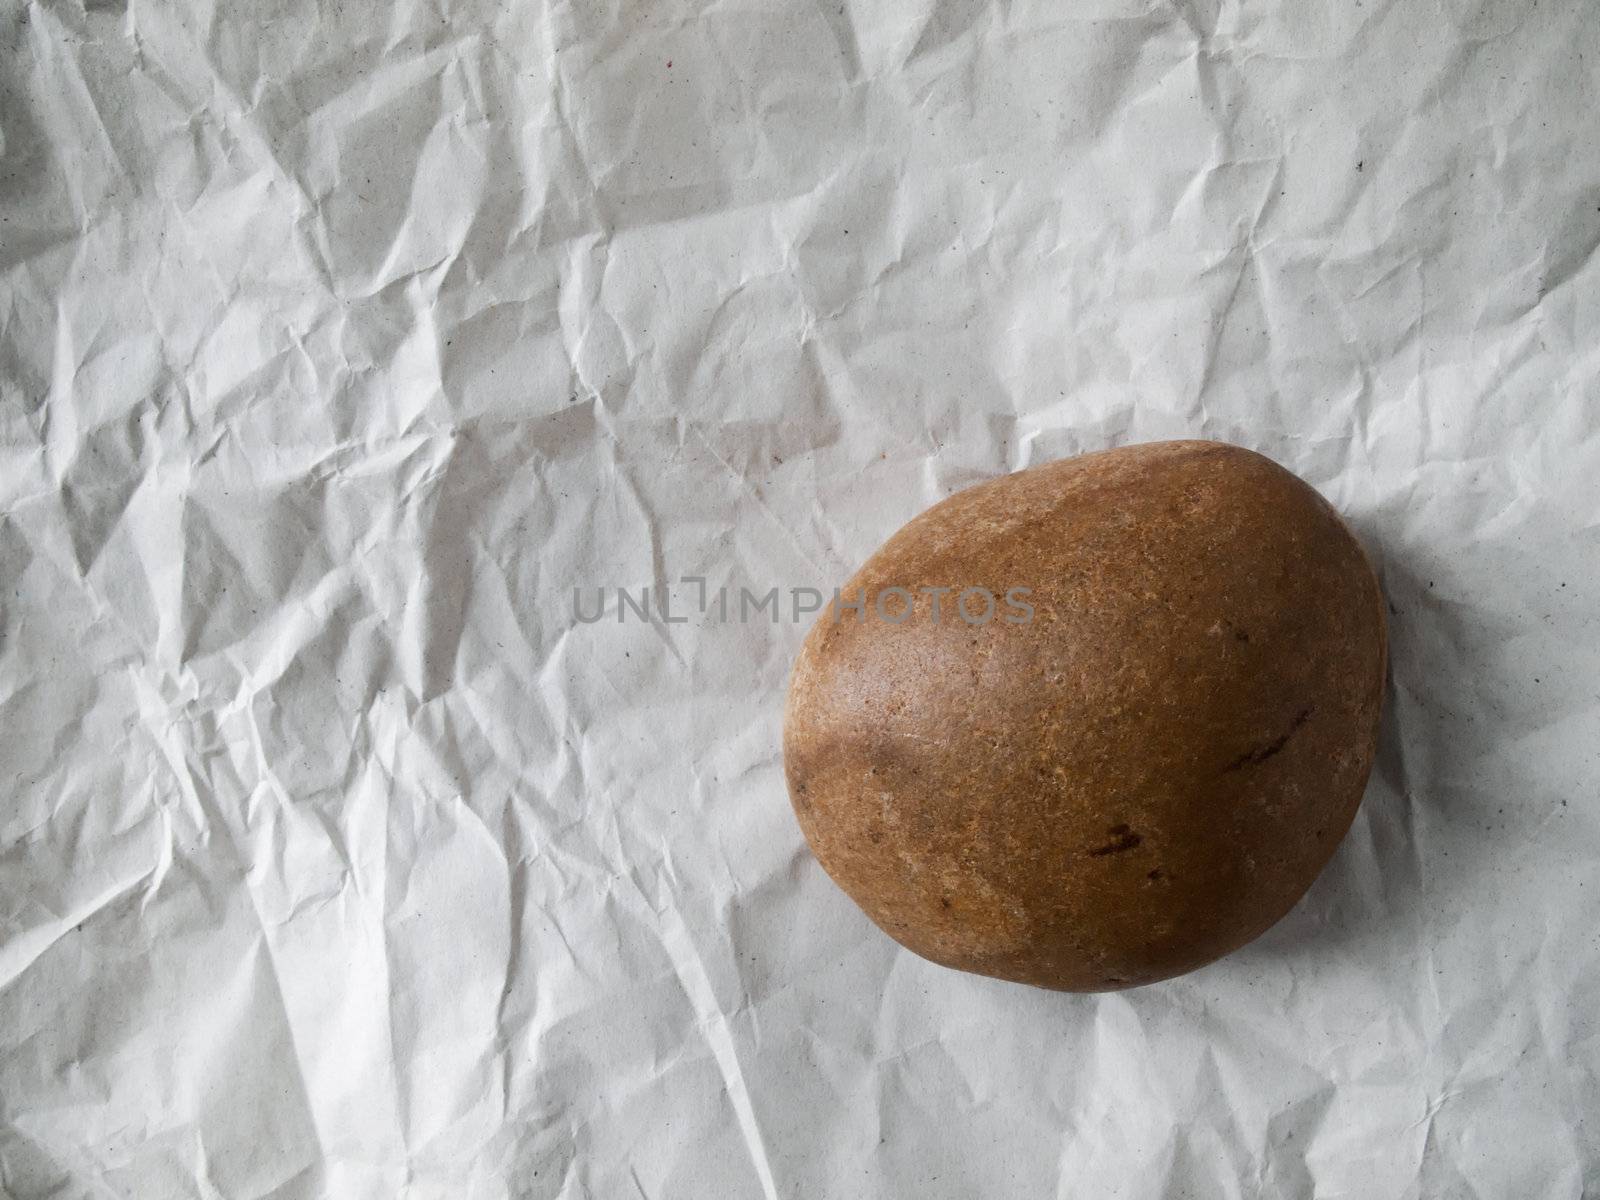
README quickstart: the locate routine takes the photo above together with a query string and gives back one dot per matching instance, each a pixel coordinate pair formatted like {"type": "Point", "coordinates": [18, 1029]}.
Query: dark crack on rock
{"type": "Point", "coordinates": [1261, 753]}
{"type": "Point", "coordinates": [1124, 839]}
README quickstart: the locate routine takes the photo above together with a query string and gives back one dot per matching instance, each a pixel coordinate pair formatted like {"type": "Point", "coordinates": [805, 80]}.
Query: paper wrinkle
{"type": "Point", "coordinates": [339, 859]}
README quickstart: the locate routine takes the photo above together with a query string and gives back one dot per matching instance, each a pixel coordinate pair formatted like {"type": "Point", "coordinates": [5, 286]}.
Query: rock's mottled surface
{"type": "Point", "coordinates": [1140, 778]}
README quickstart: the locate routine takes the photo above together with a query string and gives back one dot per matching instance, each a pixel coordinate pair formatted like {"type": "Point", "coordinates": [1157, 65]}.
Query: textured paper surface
{"type": "Point", "coordinates": [339, 342]}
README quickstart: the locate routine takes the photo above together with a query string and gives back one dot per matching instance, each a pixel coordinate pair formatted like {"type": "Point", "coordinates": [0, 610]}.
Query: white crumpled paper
{"type": "Point", "coordinates": [341, 341]}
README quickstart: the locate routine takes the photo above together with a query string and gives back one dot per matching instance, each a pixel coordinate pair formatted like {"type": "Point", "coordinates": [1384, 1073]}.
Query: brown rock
{"type": "Point", "coordinates": [1140, 778]}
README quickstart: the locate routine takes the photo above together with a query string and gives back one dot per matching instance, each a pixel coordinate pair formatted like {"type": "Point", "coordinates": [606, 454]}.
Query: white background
{"type": "Point", "coordinates": [339, 341]}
